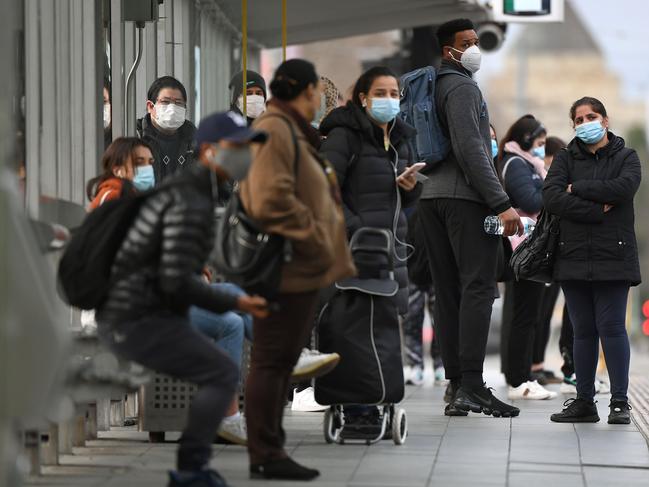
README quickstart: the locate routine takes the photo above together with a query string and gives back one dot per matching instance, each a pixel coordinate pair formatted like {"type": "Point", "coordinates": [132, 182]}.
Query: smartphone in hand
{"type": "Point", "coordinates": [414, 169]}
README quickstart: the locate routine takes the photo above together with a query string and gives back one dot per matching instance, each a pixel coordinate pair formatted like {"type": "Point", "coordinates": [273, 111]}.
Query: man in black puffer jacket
{"type": "Point", "coordinates": [158, 277]}
{"type": "Point", "coordinates": [366, 173]}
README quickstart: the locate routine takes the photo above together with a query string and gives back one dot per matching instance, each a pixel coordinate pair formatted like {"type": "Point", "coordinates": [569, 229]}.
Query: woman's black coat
{"type": "Point", "coordinates": [595, 245]}
{"type": "Point", "coordinates": [367, 176]}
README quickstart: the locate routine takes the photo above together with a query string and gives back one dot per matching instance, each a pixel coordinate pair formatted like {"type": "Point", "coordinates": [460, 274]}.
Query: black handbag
{"type": "Point", "coordinates": [247, 255]}
{"type": "Point", "coordinates": [533, 259]}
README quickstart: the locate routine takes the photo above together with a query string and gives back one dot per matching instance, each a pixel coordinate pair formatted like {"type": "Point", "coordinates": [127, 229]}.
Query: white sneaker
{"type": "Point", "coordinates": [413, 375]}
{"type": "Point", "coordinates": [313, 364]}
{"type": "Point", "coordinates": [602, 387]}
{"type": "Point", "coordinates": [234, 430]}
{"type": "Point", "coordinates": [305, 402]}
{"type": "Point", "coordinates": [530, 390]}
{"type": "Point", "coordinates": [569, 386]}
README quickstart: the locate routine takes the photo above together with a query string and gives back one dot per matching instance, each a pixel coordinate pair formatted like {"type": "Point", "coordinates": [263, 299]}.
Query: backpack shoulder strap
{"type": "Point", "coordinates": [506, 166]}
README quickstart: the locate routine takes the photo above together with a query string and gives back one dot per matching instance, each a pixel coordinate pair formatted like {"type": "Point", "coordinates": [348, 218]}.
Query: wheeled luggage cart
{"type": "Point", "coordinates": [361, 323]}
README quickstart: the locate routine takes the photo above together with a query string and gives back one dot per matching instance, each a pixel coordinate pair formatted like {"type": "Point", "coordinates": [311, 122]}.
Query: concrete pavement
{"type": "Point", "coordinates": [475, 451]}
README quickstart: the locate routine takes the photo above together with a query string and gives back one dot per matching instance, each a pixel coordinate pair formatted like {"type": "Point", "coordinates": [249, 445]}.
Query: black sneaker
{"type": "Point", "coordinates": [199, 478]}
{"type": "Point", "coordinates": [284, 469]}
{"type": "Point", "coordinates": [619, 412]}
{"type": "Point", "coordinates": [482, 400]}
{"type": "Point", "coordinates": [545, 377]}
{"type": "Point", "coordinates": [449, 396]}
{"type": "Point", "coordinates": [452, 410]}
{"type": "Point", "coordinates": [451, 390]}
{"type": "Point", "coordinates": [577, 411]}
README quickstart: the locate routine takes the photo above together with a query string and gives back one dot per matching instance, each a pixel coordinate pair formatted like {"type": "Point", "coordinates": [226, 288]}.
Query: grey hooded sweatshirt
{"type": "Point", "coordinates": [468, 172]}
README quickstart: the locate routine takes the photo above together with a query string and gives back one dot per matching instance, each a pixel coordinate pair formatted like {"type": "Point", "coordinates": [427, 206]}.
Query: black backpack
{"type": "Point", "coordinates": [84, 274]}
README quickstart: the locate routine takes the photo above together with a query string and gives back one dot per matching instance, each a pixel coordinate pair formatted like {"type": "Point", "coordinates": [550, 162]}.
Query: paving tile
{"type": "Point", "coordinates": [534, 479]}
{"type": "Point", "coordinates": [608, 477]}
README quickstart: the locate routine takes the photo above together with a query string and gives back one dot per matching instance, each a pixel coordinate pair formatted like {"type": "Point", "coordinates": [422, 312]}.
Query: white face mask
{"type": "Point", "coordinates": [255, 104]}
{"type": "Point", "coordinates": [107, 115]}
{"type": "Point", "coordinates": [470, 59]}
{"type": "Point", "coordinates": [170, 117]}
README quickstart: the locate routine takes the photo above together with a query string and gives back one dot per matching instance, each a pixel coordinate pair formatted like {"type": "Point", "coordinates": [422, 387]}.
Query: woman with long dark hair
{"type": "Point", "coordinates": [127, 159]}
{"type": "Point", "coordinates": [522, 171]}
{"type": "Point", "coordinates": [591, 186]}
{"type": "Point", "coordinates": [368, 146]}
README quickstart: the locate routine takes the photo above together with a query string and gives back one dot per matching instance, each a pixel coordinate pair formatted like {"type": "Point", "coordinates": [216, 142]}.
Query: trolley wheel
{"type": "Point", "coordinates": [399, 427]}
{"type": "Point", "coordinates": [332, 425]}
{"type": "Point", "coordinates": [156, 436]}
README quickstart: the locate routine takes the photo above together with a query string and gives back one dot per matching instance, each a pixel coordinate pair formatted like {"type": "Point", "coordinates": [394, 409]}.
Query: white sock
{"type": "Point", "coordinates": [234, 417]}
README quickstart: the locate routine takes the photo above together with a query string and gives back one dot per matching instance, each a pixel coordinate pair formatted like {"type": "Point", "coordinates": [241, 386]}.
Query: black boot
{"type": "Point", "coordinates": [619, 412]}
{"type": "Point", "coordinates": [481, 400]}
{"type": "Point", "coordinates": [577, 411]}
{"type": "Point", "coordinates": [285, 469]}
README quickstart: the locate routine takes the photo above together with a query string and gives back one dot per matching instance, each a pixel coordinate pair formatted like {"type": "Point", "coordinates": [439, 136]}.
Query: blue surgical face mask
{"type": "Point", "coordinates": [591, 132]}
{"type": "Point", "coordinates": [384, 110]}
{"type": "Point", "coordinates": [144, 178]}
{"type": "Point", "coordinates": [539, 152]}
{"type": "Point", "coordinates": [494, 148]}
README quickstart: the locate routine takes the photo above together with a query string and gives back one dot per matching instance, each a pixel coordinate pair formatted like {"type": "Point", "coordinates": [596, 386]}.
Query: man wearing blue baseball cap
{"type": "Point", "coordinates": [223, 141]}
{"type": "Point", "coordinates": [157, 278]}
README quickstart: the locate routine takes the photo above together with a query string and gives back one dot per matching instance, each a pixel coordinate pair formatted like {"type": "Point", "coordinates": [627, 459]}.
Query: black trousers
{"type": "Point", "coordinates": [167, 343]}
{"type": "Point", "coordinates": [463, 264]}
{"type": "Point", "coordinates": [525, 299]}
{"type": "Point", "coordinates": [542, 333]}
{"type": "Point", "coordinates": [279, 339]}
{"type": "Point", "coordinates": [598, 312]}
{"type": "Point", "coordinates": [566, 344]}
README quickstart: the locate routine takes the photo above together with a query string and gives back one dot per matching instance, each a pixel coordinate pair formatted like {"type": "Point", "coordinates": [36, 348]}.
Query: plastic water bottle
{"type": "Point", "coordinates": [493, 225]}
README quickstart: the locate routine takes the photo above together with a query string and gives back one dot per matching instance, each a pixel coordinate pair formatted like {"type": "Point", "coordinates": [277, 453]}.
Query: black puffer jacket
{"type": "Point", "coordinates": [367, 177]}
{"type": "Point", "coordinates": [595, 245]}
{"type": "Point", "coordinates": [171, 153]}
{"type": "Point", "coordinates": [164, 252]}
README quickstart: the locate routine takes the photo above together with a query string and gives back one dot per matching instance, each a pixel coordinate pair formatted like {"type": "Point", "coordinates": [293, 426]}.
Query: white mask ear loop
{"type": "Point", "coordinates": [410, 250]}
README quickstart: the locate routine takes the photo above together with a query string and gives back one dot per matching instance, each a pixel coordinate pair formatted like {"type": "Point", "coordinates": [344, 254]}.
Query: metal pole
{"type": "Point", "coordinates": [284, 30]}
{"type": "Point", "coordinates": [138, 58]}
{"type": "Point", "coordinates": [244, 53]}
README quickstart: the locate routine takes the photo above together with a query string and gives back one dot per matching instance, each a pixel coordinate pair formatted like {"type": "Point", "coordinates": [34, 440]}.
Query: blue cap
{"type": "Point", "coordinates": [228, 126]}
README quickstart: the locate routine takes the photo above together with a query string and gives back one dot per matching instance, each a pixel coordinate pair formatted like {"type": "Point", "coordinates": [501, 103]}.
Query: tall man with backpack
{"type": "Point", "coordinates": [462, 189]}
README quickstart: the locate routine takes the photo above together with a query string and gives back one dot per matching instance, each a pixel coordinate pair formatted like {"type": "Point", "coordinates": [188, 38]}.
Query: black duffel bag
{"type": "Point", "coordinates": [533, 259]}
{"type": "Point", "coordinates": [248, 256]}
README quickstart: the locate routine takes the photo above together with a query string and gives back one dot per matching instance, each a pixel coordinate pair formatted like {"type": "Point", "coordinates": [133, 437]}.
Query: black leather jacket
{"type": "Point", "coordinates": [163, 254]}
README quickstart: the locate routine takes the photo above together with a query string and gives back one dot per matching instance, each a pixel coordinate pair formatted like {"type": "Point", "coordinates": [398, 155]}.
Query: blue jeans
{"type": "Point", "coordinates": [226, 329]}
{"type": "Point", "coordinates": [598, 311]}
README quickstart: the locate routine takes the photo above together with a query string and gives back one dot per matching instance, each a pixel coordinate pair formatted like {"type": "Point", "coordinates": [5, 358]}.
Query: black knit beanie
{"type": "Point", "coordinates": [292, 78]}
{"type": "Point", "coordinates": [252, 79]}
